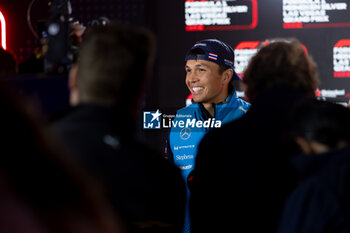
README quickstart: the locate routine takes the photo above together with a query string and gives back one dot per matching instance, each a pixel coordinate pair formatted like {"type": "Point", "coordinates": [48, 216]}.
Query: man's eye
{"type": "Point", "coordinates": [201, 70]}
{"type": "Point", "coordinates": [188, 71]}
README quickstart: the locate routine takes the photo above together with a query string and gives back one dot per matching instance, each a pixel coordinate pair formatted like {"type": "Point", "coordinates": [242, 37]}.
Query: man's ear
{"type": "Point", "coordinates": [311, 147]}
{"type": "Point", "coordinates": [304, 145]}
{"type": "Point", "coordinates": [73, 78]}
{"type": "Point", "coordinates": [73, 85]}
{"type": "Point", "coordinates": [227, 76]}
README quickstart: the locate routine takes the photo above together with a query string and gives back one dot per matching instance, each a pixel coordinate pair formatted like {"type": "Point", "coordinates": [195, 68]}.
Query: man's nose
{"type": "Point", "coordinates": [192, 77]}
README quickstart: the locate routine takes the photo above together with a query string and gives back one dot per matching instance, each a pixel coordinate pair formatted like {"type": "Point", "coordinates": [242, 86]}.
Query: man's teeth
{"type": "Point", "coordinates": [195, 89]}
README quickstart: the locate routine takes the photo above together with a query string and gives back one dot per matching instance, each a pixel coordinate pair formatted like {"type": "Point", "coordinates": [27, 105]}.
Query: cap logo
{"type": "Point", "coordinates": [228, 62]}
{"type": "Point", "coordinates": [213, 56]}
{"type": "Point", "coordinates": [200, 44]}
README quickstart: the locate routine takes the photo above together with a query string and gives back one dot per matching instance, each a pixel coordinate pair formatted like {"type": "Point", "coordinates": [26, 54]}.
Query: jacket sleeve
{"type": "Point", "coordinates": [311, 208]}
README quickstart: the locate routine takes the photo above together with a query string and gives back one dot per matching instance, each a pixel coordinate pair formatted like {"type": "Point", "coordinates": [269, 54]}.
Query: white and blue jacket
{"type": "Point", "coordinates": [189, 127]}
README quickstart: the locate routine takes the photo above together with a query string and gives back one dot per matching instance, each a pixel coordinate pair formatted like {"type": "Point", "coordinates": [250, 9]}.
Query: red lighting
{"type": "Point", "coordinates": [293, 25]}
{"type": "Point", "coordinates": [341, 74]}
{"type": "Point", "coordinates": [342, 43]}
{"type": "Point", "coordinates": [248, 45]}
{"type": "Point", "coordinates": [195, 28]}
{"type": "Point", "coordinates": [3, 31]}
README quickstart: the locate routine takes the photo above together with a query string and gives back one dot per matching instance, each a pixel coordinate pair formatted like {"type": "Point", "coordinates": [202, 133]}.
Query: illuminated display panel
{"type": "Point", "coordinates": [3, 31]}
{"type": "Point", "coordinates": [315, 13]}
{"type": "Point", "coordinates": [341, 59]}
{"type": "Point", "coordinates": [245, 50]}
{"type": "Point", "coordinates": [323, 30]}
{"type": "Point", "coordinates": [212, 15]}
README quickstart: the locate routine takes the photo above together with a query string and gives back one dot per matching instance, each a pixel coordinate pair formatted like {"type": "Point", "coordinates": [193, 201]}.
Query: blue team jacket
{"type": "Point", "coordinates": [189, 127]}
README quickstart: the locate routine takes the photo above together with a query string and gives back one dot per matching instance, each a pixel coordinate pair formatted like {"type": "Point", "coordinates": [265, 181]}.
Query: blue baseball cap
{"type": "Point", "coordinates": [215, 51]}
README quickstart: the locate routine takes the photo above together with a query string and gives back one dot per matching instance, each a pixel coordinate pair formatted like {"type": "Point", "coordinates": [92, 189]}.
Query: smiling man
{"type": "Point", "coordinates": [209, 75]}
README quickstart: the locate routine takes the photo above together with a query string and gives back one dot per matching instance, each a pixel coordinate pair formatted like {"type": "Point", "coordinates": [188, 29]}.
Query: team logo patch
{"type": "Point", "coordinates": [185, 133]}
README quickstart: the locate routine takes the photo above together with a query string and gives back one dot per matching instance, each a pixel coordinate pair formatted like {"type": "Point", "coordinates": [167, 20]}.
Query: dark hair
{"type": "Point", "coordinates": [315, 120]}
{"type": "Point", "coordinates": [114, 61]}
{"type": "Point", "coordinates": [282, 62]}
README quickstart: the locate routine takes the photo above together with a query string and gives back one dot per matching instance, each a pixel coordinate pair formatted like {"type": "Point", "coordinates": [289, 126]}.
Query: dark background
{"type": "Point", "coordinates": [167, 90]}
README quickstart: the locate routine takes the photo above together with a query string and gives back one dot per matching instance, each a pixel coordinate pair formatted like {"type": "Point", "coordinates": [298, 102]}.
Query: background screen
{"type": "Point", "coordinates": [322, 26]}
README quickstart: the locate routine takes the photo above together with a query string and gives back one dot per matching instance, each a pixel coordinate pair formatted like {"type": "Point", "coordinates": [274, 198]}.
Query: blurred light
{"type": "Point", "coordinates": [3, 31]}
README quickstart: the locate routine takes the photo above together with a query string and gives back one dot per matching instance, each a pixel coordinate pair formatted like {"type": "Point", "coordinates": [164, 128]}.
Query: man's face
{"type": "Point", "coordinates": [205, 82]}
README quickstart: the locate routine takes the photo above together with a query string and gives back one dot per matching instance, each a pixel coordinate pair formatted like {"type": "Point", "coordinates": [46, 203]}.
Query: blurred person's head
{"type": "Point", "coordinates": [209, 71]}
{"type": "Point", "coordinates": [114, 62]}
{"type": "Point", "coordinates": [281, 62]}
{"type": "Point", "coordinates": [43, 189]}
{"type": "Point", "coordinates": [319, 126]}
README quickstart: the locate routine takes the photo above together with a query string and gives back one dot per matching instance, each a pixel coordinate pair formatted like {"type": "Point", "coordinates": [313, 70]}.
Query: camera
{"type": "Point", "coordinates": [59, 55]}
{"type": "Point", "coordinates": [64, 35]}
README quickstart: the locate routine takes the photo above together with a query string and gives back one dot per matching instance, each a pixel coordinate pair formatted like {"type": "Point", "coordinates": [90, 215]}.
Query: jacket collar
{"type": "Point", "coordinates": [305, 165]}
{"type": "Point", "coordinates": [118, 118]}
{"type": "Point", "coordinates": [219, 107]}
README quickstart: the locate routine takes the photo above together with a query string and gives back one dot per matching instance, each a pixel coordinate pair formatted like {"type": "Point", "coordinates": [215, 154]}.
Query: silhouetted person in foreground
{"type": "Point", "coordinates": [41, 189]}
{"type": "Point", "coordinates": [321, 201]}
{"type": "Point", "coordinates": [242, 176]}
{"type": "Point", "coordinates": [105, 88]}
